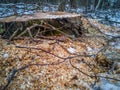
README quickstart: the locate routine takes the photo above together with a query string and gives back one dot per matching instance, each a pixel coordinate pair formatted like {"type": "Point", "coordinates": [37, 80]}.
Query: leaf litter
{"type": "Point", "coordinates": [61, 76]}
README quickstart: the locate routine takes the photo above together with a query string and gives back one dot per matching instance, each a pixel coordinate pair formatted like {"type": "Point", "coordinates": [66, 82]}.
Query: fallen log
{"type": "Point", "coordinates": [46, 24]}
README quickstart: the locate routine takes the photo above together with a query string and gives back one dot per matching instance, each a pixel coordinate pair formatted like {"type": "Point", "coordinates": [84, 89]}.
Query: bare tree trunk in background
{"type": "Point", "coordinates": [73, 4]}
{"type": "Point", "coordinates": [61, 6]}
{"type": "Point", "coordinates": [15, 8]}
{"type": "Point", "coordinates": [98, 4]}
{"type": "Point", "coordinates": [117, 4]}
{"type": "Point", "coordinates": [93, 5]}
{"type": "Point", "coordinates": [41, 4]}
{"type": "Point", "coordinates": [87, 5]}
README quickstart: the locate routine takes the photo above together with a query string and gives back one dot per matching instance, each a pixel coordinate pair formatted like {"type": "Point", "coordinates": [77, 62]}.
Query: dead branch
{"type": "Point", "coordinates": [45, 26]}
{"type": "Point", "coordinates": [92, 76]}
{"type": "Point", "coordinates": [13, 35]}
{"type": "Point", "coordinates": [28, 30]}
{"type": "Point", "coordinates": [57, 29]}
{"type": "Point", "coordinates": [69, 58]}
{"type": "Point", "coordinates": [53, 53]}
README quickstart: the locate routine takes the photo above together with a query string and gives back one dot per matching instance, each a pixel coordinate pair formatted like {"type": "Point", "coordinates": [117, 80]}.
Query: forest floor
{"type": "Point", "coordinates": [58, 65]}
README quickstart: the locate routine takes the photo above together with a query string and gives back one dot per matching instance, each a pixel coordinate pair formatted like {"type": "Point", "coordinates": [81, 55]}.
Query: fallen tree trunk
{"type": "Point", "coordinates": [47, 24]}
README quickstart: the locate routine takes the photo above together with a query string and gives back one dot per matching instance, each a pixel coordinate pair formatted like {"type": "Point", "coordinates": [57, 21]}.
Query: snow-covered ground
{"type": "Point", "coordinates": [108, 16]}
{"type": "Point", "coordinates": [21, 8]}
{"type": "Point", "coordinates": [106, 85]}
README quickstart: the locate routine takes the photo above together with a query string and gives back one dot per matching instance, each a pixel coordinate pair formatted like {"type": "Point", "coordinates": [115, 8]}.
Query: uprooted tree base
{"type": "Point", "coordinates": [49, 59]}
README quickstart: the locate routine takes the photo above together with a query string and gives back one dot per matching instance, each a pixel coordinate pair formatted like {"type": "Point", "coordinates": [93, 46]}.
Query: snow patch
{"type": "Point", "coordinates": [89, 49]}
{"type": "Point", "coordinates": [5, 55]}
{"type": "Point", "coordinates": [109, 86]}
{"type": "Point", "coordinates": [71, 50]}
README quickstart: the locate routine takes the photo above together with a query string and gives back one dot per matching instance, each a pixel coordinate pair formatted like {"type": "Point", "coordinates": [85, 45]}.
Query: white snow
{"type": "Point", "coordinates": [89, 49]}
{"type": "Point", "coordinates": [71, 50]}
{"type": "Point", "coordinates": [117, 47]}
{"type": "Point", "coordinates": [5, 55]}
{"type": "Point", "coordinates": [109, 86]}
